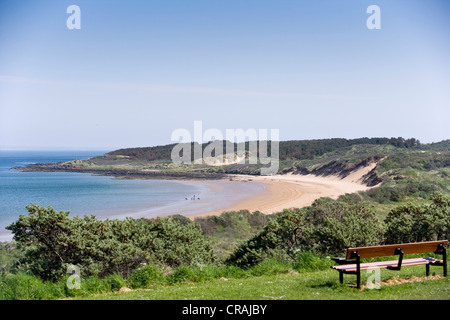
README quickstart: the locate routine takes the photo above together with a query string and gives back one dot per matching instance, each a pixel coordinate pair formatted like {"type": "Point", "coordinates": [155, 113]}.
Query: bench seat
{"type": "Point", "coordinates": [387, 264]}
{"type": "Point", "coordinates": [352, 263]}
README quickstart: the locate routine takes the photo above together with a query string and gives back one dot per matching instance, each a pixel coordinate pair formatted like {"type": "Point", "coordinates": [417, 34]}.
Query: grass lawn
{"type": "Point", "coordinates": [319, 285]}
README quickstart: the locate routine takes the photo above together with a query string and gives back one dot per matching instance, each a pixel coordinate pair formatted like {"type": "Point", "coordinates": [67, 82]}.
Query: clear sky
{"type": "Point", "coordinates": [138, 70]}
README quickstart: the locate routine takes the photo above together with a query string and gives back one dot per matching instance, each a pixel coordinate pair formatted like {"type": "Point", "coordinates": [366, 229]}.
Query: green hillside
{"type": "Point", "coordinates": [325, 156]}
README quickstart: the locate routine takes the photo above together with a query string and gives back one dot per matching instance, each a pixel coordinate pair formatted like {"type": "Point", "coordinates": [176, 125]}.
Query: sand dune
{"type": "Point", "coordinates": [296, 191]}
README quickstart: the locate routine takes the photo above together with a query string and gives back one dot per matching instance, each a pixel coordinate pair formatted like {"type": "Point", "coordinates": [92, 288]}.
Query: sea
{"type": "Point", "coordinates": [103, 196]}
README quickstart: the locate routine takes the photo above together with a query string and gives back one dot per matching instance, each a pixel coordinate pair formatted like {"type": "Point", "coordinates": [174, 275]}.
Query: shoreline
{"type": "Point", "coordinates": [214, 196]}
{"type": "Point", "coordinates": [291, 191]}
{"type": "Point", "coordinates": [278, 192]}
{"type": "Point", "coordinates": [268, 194]}
{"type": "Point", "coordinates": [210, 195]}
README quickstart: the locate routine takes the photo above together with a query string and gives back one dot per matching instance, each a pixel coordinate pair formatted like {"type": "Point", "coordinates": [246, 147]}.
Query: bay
{"type": "Point", "coordinates": [102, 196]}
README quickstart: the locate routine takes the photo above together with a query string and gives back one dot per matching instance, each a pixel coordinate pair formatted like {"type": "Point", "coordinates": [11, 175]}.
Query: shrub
{"type": "Point", "coordinates": [327, 226]}
{"type": "Point", "coordinates": [145, 276]}
{"type": "Point", "coordinates": [276, 239]}
{"type": "Point", "coordinates": [25, 286]}
{"type": "Point", "coordinates": [181, 274]}
{"type": "Point", "coordinates": [269, 266]}
{"type": "Point", "coordinates": [413, 223]}
{"type": "Point", "coordinates": [10, 255]}
{"type": "Point", "coordinates": [53, 241]}
{"type": "Point", "coordinates": [175, 244]}
{"type": "Point", "coordinates": [336, 226]}
{"type": "Point", "coordinates": [115, 282]}
{"type": "Point", "coordinates": [308, 261]}
{"type": "Point", "coordinates": [236, 223]}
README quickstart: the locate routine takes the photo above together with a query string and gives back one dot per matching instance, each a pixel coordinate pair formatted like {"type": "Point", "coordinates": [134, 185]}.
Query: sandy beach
{"type": "Point", "coordinates": [294, 191]}
{"type": "Point", "coordinates": [267, 194]}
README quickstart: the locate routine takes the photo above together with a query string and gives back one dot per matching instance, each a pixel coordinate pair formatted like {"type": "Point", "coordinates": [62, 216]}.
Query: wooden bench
{"type": "Point", "coordinates": [348, 266]}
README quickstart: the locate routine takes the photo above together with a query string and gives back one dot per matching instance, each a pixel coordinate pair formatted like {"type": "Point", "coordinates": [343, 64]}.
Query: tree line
{"type": "Point", "coordinates": [292, 149]}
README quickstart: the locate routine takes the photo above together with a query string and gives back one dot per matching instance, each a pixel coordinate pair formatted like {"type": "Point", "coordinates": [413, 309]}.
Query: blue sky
{"type": "Point", "coordinates": [138, 70]}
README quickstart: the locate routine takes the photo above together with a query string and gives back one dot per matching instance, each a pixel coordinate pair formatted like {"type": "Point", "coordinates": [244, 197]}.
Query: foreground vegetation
{"type": "Point", "coordinates": [320, 285]}
{"type": "Point", "coordinates": [172, 254]}
{"type": "Point", "coordinates": [308, 278]}
{"type": "Point", "coordinates": [241, 255]}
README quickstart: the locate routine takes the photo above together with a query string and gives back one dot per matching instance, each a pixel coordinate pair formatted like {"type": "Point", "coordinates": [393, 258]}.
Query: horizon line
{"type": "Point", "coordinates": [105, 149]}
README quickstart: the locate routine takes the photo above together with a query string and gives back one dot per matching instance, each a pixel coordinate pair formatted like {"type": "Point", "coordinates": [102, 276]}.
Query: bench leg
{"type": "Point", "coordinates": [443, 251]}
{"type": "Point", "coordinates": [358, 271]}
{"type": "Point", "coordinates": [356, 255]}
{"type": "Point", "coordinates": [427, 266]}
{"type": "Point", "coordinates": [358, 279]}
{"type": "Point", "coordinates": [445, 266]}
{"type": "Point", "coordinates": [341, 277]}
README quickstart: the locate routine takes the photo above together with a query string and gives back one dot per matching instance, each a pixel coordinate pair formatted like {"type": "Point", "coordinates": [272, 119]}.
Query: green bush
{"type": "Point", "coordinates": [181, 274]}
{"type": "Point", "coordinates": [9, 256]}
{"type": "Point", "coordinates": [235, 223]}
{"type": "Point", "coordinates": [174, 244]}
{"type": "Point", "coordinates": [269, 266]}
{"type": "Point", "coordinates": [145, 276]}
{"type": "Point", "coordinates": [53, 241]}
{"type": "Point", "coordinates": [413, 223]}
{"type": "Point", "coordinates": [327, 226]}
{"type": "Point", "coordinates": [336, 226]}
{"type": "Point", "coordinates": [25, 286]}
{"type": "Point", "coordinates": [230, 271]}
{"type": "Point", "coordinates": [115, 282]}
{"type": "Point", "coordinates": [308, 261]}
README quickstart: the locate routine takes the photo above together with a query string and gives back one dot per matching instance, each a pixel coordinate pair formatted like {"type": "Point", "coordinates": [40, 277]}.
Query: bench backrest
{"type": "Point", "coordinates": [390, 249]}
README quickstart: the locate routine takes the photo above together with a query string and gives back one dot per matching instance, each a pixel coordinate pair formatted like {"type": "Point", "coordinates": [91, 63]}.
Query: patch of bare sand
{"type": "Point", "coordinates": [397, 280]}
{"type": "Point", "coordinates": [295, 191]}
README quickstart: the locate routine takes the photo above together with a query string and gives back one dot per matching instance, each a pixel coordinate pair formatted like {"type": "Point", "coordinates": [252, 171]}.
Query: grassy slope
{"type": "Point", "coordinates": [319, 285]}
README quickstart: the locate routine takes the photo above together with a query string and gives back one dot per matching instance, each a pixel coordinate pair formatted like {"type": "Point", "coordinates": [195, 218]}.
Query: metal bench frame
{"type": "Point", "coordinates": [354, 258]}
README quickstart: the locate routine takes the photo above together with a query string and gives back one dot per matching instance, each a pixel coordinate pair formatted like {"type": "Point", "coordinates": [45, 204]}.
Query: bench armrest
{"type": "Point", "coordinates": [339, 260]}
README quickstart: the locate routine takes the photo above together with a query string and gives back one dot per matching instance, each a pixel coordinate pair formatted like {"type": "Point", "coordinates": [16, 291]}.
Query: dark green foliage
{"type": "Point", "coordinates": [330, 227]}
{"type": "Point", "coordinates": [352, 198]}
{"type": "Point", "coordinates": [115, 282]}
{"type": "Point", "coordinates": [25, 286]}
{"type": "Point", "coordinates": [443, 145]}
{"type": "Point", "coordinates": [308, 261]}
{"type": "Point", "coordinates": [233, 222]}
{"type": "Point", "coordinates": [327, 226]}
{"type": "Point", "coordinates": [413, 223]}
{"type": "Point", "coordinates": [418, 159]}
{"type": "Point", "coordinates": [268, 266]}
{"type": "Point", "coordinates": [402, 187]}
{"type": "Point", "coordinates": [53, 241]}
{"type": "Point", "coordinates": [148, 153]}
{"type": "Point", "coordinates": [9, 255]}
{"type": "Point", "coordinates": [227, 230]}
{"type": "Point", "coordinates": [145, 276]}
{"type": "Point", "coordinates": [294, 149]}
{"type": "Point", "coordinates": [181, 219]}
{"type": "Point", "coordinates": [338, 226]}
{"type": "Point", "coordinates": [295, 240]}
{"type": "Point", "coordinates": [174, 244]}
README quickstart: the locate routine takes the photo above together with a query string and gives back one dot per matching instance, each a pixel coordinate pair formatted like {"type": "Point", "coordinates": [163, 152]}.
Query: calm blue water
{"type": "Point", "coordinates": [79, 193]}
